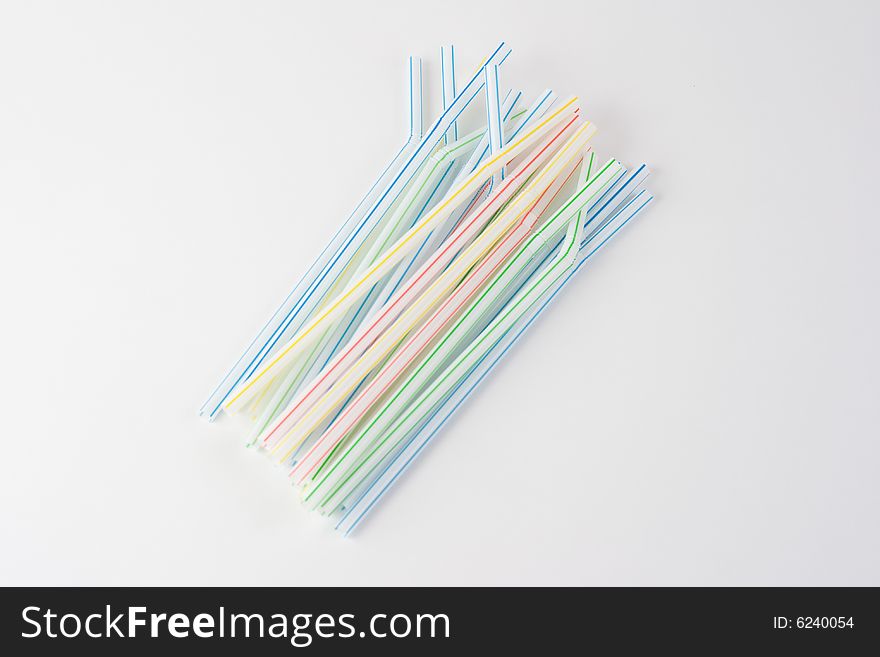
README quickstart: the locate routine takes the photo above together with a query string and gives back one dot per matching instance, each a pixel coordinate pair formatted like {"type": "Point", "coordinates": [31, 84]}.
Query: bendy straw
{"type": "Point", "coordinates": [447, 83]}
{"type": "Point", "coordinates": [596, 213]}
{"type": "Point", "coordinates": [291, 304]}
{"type": "Point", "coordinates": [405, 245]}
{"type": "Point", "coordinates": [428, 277]}
{"type": "Point", "coordinates": [517, 121]}
{"type": "Point", "coordinates": [467, 235]}
{"type": "Point", "coordinates": [406, 352]}
{"type": "Point", "coordinates": [313, 288]}
{"type": "Point", "coordinates": [390, 471]}
{"type": "Point", "coordinates": [415, 201]}
{"type": "Point", "coordinates": [399, 403]}
{"type": "Point", "coordinates": [567, 215]}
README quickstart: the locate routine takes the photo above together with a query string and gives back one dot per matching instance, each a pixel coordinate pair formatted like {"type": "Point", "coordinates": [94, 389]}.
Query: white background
{"type": "Point", "coordinates": [699, 407]}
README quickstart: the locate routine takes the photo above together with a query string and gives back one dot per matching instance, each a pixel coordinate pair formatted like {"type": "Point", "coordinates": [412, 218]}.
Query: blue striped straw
{"type": "Point", "coordinates": [420, 438]}
{"type": "Point", "coordinates": [313, 287]}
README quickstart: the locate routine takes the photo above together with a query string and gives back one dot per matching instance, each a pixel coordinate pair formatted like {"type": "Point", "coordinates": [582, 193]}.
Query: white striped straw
{"type": "Point", "coordinates": [355, 513]}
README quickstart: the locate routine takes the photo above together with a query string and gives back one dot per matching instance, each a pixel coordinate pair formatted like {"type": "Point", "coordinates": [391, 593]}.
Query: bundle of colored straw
{"type": "Point", "coordinates": [454, 251]}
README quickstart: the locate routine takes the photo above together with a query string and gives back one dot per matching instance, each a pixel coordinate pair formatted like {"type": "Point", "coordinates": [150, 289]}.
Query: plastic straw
{"type": "Point", "coordinates": [396, 253]}
{"type": "Point", "coordinates": [567, 215]}
{"type": "Point", "coordinates": [390, 473]}
{"type": "Point", "coordinates": [451, 255]}
{"type": "Point", "coordinates": [377, 333]}
{"type": "Point", "coordinates": [293, 302]}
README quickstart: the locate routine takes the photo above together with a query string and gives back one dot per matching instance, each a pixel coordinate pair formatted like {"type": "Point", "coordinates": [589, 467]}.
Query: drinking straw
{"type": "Point", "coordinates": [419, 282]}
{"type": "Point", "coordinates": [451, 255]}
{"type": "Point", "coordinates": [437, 167]}
{"type": "Point", "coordinates": [417, 197]}
{"type": "Point", "coordinates": [368, 461]}
{"type": "Point", "coordinates": [540, 107]}
{"type": "Point", "coordinates": [460, 334]}
{"type": "Point", "coordinates": [594, 215]}
{"type": "Point", "coordinates": [447, 82]}
{"type": "Point", "coordinates": [422, 338]}
{"type": "Point", "coordinates": [334, 339]}
{"type": "Point", "coordinates": [313, 372]}
{"type": "Point", "coordinates": [515, 216]}
{"type": "Point", "coordinates": [332, 286]}
{"type": "Point", "coordinates": [415, 122]}
{"type": "Point", "coordinates": [568, 215]}
{"type": "Point", "coordinates": [395, 254]}
{"type": "Point", "coordinates": [441, 234]}
{"type": "Point", "coordinates": [407, 352]}
{"type": "Point", "coordinates": [357, 246]}
{"type": "Point", "coordinates": [239, 370]}
{"type": "Point", "coordinates": [315, 291]}
{"type": "Point", "coordinates": [493, 111]}
{"type": "Point", "coordinates": [426, 276]}
{"type": "Point", "coordinates": [392, 471]}
{"type": "Point", "coordinates": [608, 202]}
{"type": "Point", "coordinates": [416, 98]}
{"type": "Point", "coordinates": [362, 311]}
{"type": "Point", "coordinates": [438, 235]}
{"type": "Point", "coordinates": [340, 339]}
